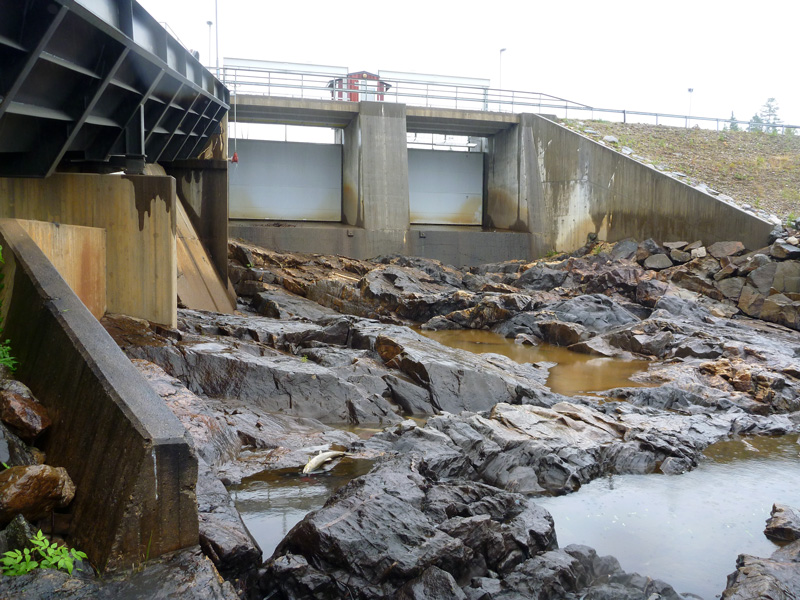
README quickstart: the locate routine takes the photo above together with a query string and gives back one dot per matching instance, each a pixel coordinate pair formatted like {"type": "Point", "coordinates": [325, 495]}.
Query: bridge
{"type": "Point", "coordinates": [523, 187]}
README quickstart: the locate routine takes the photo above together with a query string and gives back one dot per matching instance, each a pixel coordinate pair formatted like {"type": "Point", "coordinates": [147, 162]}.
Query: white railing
{"type": "Point", "coordinates": [320, 86]}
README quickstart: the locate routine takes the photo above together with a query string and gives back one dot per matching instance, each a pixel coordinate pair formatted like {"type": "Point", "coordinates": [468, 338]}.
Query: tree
{"type": "Point", "coordinates": [734, 125]}
{"type": "Point", "coordinates": [755, 123]}
{"type": "Point", "coordinates": [769, 115]}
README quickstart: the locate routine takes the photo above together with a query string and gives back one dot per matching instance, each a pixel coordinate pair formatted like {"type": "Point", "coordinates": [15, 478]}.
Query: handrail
{"type": "Point", "coordinates": [441, 95]}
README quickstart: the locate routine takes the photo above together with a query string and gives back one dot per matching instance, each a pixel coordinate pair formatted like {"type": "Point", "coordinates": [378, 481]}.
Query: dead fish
{"type": "Point", "coordinates": [315, 462]}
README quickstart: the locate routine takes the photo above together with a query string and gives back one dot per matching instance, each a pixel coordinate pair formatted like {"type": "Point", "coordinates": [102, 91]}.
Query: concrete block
{"type": "Point", "coordinates": [125, 451]}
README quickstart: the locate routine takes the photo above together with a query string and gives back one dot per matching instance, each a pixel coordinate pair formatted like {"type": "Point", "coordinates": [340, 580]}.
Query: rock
{"type": "Point", "coordinates": [693, 246]}
{"type": "Point", "coordinates": [727, 268]}
{"type": "Point", "coordinates": [776, 233]}
{"type": "Point", "coordinates": [783, 524]}
{"type": "Point", "coordinates": [33, 491]}
{"type": "Point", "coordinates": [774, 578]}
{"type": "Point", "coordinates": [679, 256]}
{"type": "Point", "coordinates": [388, 528]}
{"type": "Point", "coordinates": [782, 250]}
{"type": "Point", "coordinates": [751, 301]}
{"type": "Point", "coordinates": [721, 249]}
{"type": "Point", "coordinates": [675, 245]}
{"type": "Point", "coordinates": [731, 288]}
{"type": "Point", "coordinates": [648, 248]}
{"type": "Point", "coordinates": [541, 278]}
{"type": "Point", "coordinates": [13, 451]}
{"type": "Point", "coordinates": [649, 291]}
{"type": "Point", "coordinates": [699, 252]}
{"type": "Point", "coordinates": [433, 583]}
{"type": "Point", "coordinates": [793, 241]}
{"type": "Point", "coordinates": [21, 411]}
{"type": "Point", "coordinates": [787, 277]}
{"type": "Point", "coordinates": [625, 249]}
{"type": "Point", "coordinates": [611, 139]}
{"type": "Point", "coordinates": [223, 536]}
{"type": "Point", "coordinates": [753, 262]}
{"type": "Point", "coordinates": [17, 535]}
{"type": "Point", "coordinates": [559, 333]}
{"type": "Point", "coordinates": [762, 277]}
{"type": "Point", "coordinates": [780, 309]}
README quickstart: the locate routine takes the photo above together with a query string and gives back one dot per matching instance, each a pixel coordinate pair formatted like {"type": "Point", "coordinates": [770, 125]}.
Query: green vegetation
{"type": "Point", "coordinates": [6, 359]}
{"type": "Point", "coordinates": [45, 555]}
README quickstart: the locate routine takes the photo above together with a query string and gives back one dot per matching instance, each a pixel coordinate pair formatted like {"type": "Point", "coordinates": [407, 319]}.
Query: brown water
{"type": "Point", "coordinates": [271, 503]}
{"type": "Point", "coordinates": [686, 529]}
{"type": "Point", "coordinates": [573, 374]}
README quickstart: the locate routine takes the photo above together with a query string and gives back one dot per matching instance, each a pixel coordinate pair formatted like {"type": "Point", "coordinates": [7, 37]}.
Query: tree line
{"type": "Point", "coordinates": [766, 120]}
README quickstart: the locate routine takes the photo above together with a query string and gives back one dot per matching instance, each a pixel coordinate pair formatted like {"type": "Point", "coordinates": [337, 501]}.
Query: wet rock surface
{"type": "Point", "coordinates": [323, 341]}
{"type": "Point", "coordinates": [775, 577]}
{"type": "Point", "coordinates": [33, 491]}
{"type": "Point", "coordinates": [399, 533]}
{"type": "Point", "coordinates": [185, 574]}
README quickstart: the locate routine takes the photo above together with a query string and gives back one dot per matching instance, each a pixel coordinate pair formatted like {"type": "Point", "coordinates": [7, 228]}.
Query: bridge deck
{"type": "Point", "coordinates": [252, 108]}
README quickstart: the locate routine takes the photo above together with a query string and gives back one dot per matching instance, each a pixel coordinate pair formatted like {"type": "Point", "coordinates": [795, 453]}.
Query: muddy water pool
{"type": "Point", "coordinates": [686, 529]}
{"type": "Point", "coordinates": [271, 503]}
{"type": "Point", "coordinates": [573, 374]}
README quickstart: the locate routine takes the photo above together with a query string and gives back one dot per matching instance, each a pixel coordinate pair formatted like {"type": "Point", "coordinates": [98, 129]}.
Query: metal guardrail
{"type": "Point", "coordinates": [320, 86]}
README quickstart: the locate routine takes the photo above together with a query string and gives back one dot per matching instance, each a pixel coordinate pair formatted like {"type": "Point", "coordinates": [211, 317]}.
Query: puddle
{"type": "Point", "coordinates": [687, 529]}
{"type": "Point", "coordinates": [573, 374]}
{"type": "Point", "coordinates": [271, 503]}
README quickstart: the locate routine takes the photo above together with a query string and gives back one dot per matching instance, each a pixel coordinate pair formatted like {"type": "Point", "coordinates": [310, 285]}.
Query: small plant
{"type": "Point", "coordinates": [49, 555]}
{"type": "Point", "coordinates": [304, 359]}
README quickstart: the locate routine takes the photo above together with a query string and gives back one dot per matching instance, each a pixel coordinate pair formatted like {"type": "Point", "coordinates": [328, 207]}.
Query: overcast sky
{"type": "Point", "coordinates": [635, 55]}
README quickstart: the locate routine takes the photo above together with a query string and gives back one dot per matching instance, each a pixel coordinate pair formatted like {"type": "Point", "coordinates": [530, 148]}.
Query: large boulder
{"type": "Point", "coordinates": [33, 491]}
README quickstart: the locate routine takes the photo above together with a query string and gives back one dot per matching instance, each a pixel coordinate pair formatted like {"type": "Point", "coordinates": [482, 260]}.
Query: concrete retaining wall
{"type": "Point", "coordinates": [138, 214]}
{"type": "Point", "coordinates": [126, 452]}
{"type": "Point", "coordinates": [587, 187]}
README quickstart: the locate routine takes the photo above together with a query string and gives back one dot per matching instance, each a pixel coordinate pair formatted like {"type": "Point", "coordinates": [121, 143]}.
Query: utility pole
{"type": "Point", "coordinates": [209, 23]}
{"type": "Point", "coordinates": [216, 42]}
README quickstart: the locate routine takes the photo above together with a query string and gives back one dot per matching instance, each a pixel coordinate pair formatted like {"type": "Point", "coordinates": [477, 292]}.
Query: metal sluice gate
{"type": "Point", "coordinates": [98, 82]}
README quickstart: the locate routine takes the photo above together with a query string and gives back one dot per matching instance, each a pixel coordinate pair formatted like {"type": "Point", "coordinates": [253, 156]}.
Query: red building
{"type": "Point", "coordinates": [358, 86]}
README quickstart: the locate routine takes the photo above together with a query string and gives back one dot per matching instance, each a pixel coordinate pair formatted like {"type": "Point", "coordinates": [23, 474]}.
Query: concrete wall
{"type": "Point", "coordinates": [138, 214]}
{"type": "Point", "coordinates": [79, 256]}
{"type": "Point", "coordinates": [202, 187]}
{"type": "Point", "coordinates": [586, 187]}
{"type": "Point", "coordinates": [126, 452]}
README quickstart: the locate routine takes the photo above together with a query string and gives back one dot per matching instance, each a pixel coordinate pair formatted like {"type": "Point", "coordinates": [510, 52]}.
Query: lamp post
{"type": "Point", "coordinates": [500, 84]}
{"type": "Point", "coordinates": [209, 23]}
{"type": "Point", "coordinates": [690, 105]}
{"type": "Point", "coordinates": [216, 30]}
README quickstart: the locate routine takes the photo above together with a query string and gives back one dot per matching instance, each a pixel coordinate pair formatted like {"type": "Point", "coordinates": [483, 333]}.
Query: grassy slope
{"type": "Point", "coordinates": [753, 168]}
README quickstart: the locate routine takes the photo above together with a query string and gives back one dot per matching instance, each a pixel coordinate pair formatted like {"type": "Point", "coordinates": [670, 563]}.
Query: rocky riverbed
{"type": "Point", "coordinates": [321, 345]}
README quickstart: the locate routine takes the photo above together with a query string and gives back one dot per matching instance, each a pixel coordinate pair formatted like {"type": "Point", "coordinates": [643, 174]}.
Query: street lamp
{"type": "Point", "coordinates": [690, 101]}
{"type": "Point", "coordinates": [209, 23]}
{"type": "Point", "coordinates": [501, 68]}
{"type": "Point", "coordinates": [216, 42]}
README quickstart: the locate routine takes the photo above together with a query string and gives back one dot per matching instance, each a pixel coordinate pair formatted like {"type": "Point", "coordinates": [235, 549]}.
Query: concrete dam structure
{"type": "Point", "coordinates": [537, 188]}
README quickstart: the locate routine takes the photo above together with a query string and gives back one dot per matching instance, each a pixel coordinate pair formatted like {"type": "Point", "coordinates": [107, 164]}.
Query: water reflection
{"type": "Point", "coordinates": [271, 503]}
{"type": "Point", "coordinates": [686, 529]}
{"type": "Point", "coordinates": [574, 373]}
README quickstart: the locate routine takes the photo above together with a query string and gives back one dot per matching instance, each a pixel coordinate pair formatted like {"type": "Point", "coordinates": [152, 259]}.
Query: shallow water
{"type": "Point", "coordinates": [573, 374]}
{"type": "Point", "coordinates": [272, 503]}
{"type": "Point", "coordinates": [686, 529]}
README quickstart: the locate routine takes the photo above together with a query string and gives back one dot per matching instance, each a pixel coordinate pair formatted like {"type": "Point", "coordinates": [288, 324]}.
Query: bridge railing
{"type": "Point", "coordinates": [324, 86]}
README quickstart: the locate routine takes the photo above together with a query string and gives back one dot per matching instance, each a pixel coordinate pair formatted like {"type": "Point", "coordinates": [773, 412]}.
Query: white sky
{"type": "Point", "coordinates": [635, 55]}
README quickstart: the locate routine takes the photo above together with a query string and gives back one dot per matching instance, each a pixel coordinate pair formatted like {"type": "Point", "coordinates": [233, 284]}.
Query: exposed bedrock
{"type": "Point", "coordinates": [400, 533]}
